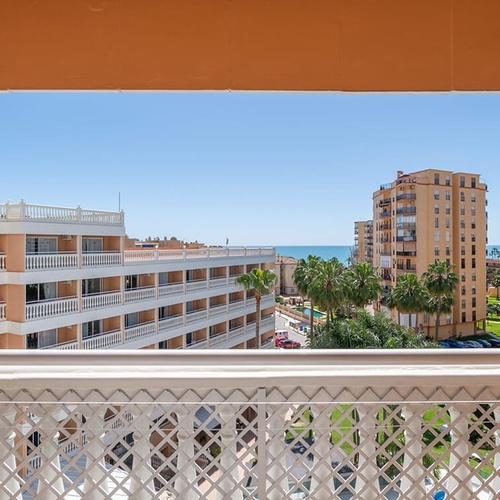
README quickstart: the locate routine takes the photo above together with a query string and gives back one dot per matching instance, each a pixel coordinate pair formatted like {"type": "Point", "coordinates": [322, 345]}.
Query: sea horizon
{"type": "Point", "coordinates": [341, 252]}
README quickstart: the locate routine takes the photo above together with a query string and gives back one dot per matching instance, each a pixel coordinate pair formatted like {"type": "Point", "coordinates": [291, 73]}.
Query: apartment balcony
{"type": "Point", "coordinates": [406, 225]}
{"type": "Point", "coordinates": [51, 307]}
{"type": "Point", "coordinates": [406, 211]}
{"type": "Point", "coordinates": [140, 294]}
{"type": "Point", "coordinates": [100, 300]}
{"type": "Point", "coordinates": [406, 196]}
{"type": "Point", "coordinates": [406, 269]}
{"type": "Point", "coordinates": [406, 254]}
{"type": "Point", "coordinates": [2, 262]}
{"type": "Point", "coordinates": [406, 238]}
{"type": "Point", "coordinates": [385, 213]}
{"type": "Point", "coordinates": [385, 252]}
{"type": "Point", "coordinates": [402, 424]}
{"type": "Point", "coordinates": [384, 201]}
{"type": "Point", "coordinates": [101, 259]}
{"type": "Point", "coordinates": [2, 311]}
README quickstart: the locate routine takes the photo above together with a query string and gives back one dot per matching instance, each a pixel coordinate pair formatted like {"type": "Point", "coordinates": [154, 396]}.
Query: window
{"type": "Point", "coordinates": [131, 281]}
{"type": "Point", "coordinates": [462, 237]}
{"type": "Point", "coordinates": [473, 237]}
{"type": "Point", "coordinates": [462, 196]}
{"type": "Point", "coordinates": [462, 264]}
{"type": "Point", "coordinates": [91, 328]}
{"type": "Point", "coordinates": [41, 291]}
{"type": "Point", "coordinates": [473, 182]}
{"type": "Point", "coordinates": [163, 279]}
{"type": "Point", "coordinates": [436, 194]}
{"type": "Point", "coordinates": [447, 210]}
{"type": "Point", "coordinates": [91, 285]}
{"type": "Point", "coordinates": [448, 250]}
{"type": "Point", "coordinates": [473, 263]}
{"type": "Point", "coordinates": [436, 208]}
{"type": "Point", "coordinates": [462, 209]}
{"type": "Point", "coordinates": [464, 305]}
{"type": "Point", "coordinates": [40, 340]}
{"type": "Point", "coordinates": [447, 179]}
{"type": "Point", "coordinates": [162, 312]}
{"type": "Point", "coordinates": [473, 290]}
{"type": "Point", "coordinates": [447, 195]}
{"type": "Point", "coordinates": [462, 181]}
{"type": "Point", "coordinates": [473, 211]}
{"type": "Point", "coordinates": [163, 344]}
{"type": "Point", "coordinates": [436, 236]}
{"type": "Point", "coordinates": [473, 224]}
{"type": "Point", "coordinates": [36, 245]}
{"type": "Point", "coordinates": [463, 290]}
{"type": "Point", "coordinates": [473, 249]}
{"type": "Point", "coordinates": [448, 262]}
{"type": "Point", "coordinates": [473, 301]}
{"type": "Point", "coordinates": [436, 222]}
{"type": "Point", "coordinates": [462, 224]}
{"type": "Point", "coordinates": [447, 222]}
{"type": "Point", "coordinates": [473, 277]}
{"type": "Point", "coordinates": [436, 178]}
{"type": "Point", "coordinates": [473, 197]}
{"type": "Point", "coordinates": [463, 317]}
{"type": "Point", "coordinates": [462, 278]}
{"type": "Point", "coordinates": [436, 251]}
{"type": "Point", "coordinates": [447, 236]}
{"type": "Point", "coordinates": [462, 250]}
{"type": "Point", "coordinates": [473, 315]}
{"type": "Point", "coordinates": [189, 338]}
{"type": "Point", "coordinates": [131, 319]}
{"type": "Point", "coordinates": [92, 245]}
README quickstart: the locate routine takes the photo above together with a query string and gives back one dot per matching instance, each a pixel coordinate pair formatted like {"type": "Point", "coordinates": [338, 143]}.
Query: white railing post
{"type": "Point", "coordinates": [9, 484]}
{"type": "Point", "coordinates": [186, 475]}
{"type": "Point", "coordinates": [322, 487]}
{"type": "Point", "coordinates": [495, 483]}
{"type": "Point", "coordinates": [141, 482]}
{"type": "Point", "coordinates": [413, 477]}
{"type": "Point", "coordinates": [367, 474]}
{"type": "Point", "coordinates": [228, 458]}
{"type": "Point", "coordinates": [50, 483]}
{"type": "Point", "coordinates": [458, 484]}
{"type": "Point", "coordinates": [277, 485]}
{"type": "Point", "coordinates": [95, 484]}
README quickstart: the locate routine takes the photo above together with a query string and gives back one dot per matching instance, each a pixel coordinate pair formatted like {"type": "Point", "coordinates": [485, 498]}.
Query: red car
{"type": "Point", "coordinates": [289, 344]}
{"type": "Point", "coordinates": [278, 338]}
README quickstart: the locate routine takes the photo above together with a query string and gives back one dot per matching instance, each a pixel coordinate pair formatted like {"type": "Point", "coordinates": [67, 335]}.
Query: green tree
{"type": "Point", "coordinates": [362, 284]}
{"type": "Point", "coordinates": [327, 288]}
{"type": "Point", "coordinates": [262, 282]}
{"type": "Point", "coordinates": [303, 277]}
{"type": "Point", "coordinates": [441, 282]}
{"type": "Point", "coordinates": [494, 279]}
{"type": "Point", "coordinates": [408, 296]}
{"type": "Point", "coordinates": [495, 253]}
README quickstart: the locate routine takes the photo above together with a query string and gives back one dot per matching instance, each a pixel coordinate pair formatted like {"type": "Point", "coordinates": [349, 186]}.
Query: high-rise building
{"type": "Point", "coordinates": [434, 215]}
{"type": "Point", "coordinates": [68, 281]}
{"type": "Point", "coordinates": [363, 241]}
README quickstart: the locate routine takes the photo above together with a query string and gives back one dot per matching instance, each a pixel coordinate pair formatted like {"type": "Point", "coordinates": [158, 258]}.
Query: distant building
{"type": "Point", "coordinates": [363, 241]}
{"type": "Point", "coordinates": [432, 215]}
{"type": "Point", "coordinates": [285, 267]}
{"type": "Point", "coordinates": [70, 279]}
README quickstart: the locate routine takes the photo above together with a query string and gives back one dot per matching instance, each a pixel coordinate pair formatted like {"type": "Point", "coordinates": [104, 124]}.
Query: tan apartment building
{"type": "Point", "coordinates": [68, 281]}
{"type": "Point", "coordinates": [363, 241]}
{"type": "Point", "coordinates": [432, 215]}
{"type": "Point", "coordinates": [285, 267]}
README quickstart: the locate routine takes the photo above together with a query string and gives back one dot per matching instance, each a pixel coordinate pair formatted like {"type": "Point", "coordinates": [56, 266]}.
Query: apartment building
{"type": "Point", "coordinates": [285, 267]}
{"type": "Point", "coordinates": [363, 241]}
{"type": "Point", "coordinates": [68, 281]}
{"type": "Point", "coordinates": [432, 215]}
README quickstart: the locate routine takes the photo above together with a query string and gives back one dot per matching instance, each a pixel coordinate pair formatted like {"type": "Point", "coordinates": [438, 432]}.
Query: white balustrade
{"type": "Point", "coordinates": [135, 256]}
{"type": "Point", "coordinates": [138, 294]}
{"type": "Point", "coordinates": [172, 322]}
{"type": "Point", "coordinates": [2, 311]}
{"type": "Point", "coordinates": [66, 346]}
{"type": "Point", "coordinates": [218, 310]}
{"type": "Point", "coordinates": [399, 424]}
{"type": "Point", "coordinates": [196, 285]}
{"type": "Point", "coordinates": [99, 300]}
{"type": "Point", "coordinates": [100, 259]}
{"type": "Point", "coordinates": [200, 344]}
{"type": "Point", "coordinates": [52, 307]}
{"type": "Point", "coordinates": [193, 316]}
{"type": "Point", "coordinates": [140, 331]}
{"type": "Point", "coordinates": [103, 341]}
{"type": "Point", "coordinates": [170, 289]}
{"type": "Point", "coordinates": [237, 304]}
{"type": "Point", "coordinates": [170, 254]}
{"type": "Point", "coordinates": [2, 262]}
{"type": "Point", "coordinates": [51, 261]}
{"type": "Point", "coordinates": [215, 282]}
{"type": "Point", "coordinates": [218, 340]}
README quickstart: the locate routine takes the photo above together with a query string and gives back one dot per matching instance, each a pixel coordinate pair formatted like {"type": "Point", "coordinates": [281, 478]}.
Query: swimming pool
{"type": "Point", "coordinates": [307, 310]}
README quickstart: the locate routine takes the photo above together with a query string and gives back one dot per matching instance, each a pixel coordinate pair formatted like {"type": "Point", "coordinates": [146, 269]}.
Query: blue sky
{"type": "Point", "coordinates": [258, 168]}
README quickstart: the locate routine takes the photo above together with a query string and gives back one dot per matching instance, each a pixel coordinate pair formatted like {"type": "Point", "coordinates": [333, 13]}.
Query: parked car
{"type": "Point", "coordinates": [289, 344]}
{"type": "Point", "coordinates": [494, 342]}
{"type": "Point", "coordinates": [279, 337]}
{"type": "Point", "coordinates": [473, 344]}
{"type": "Point", "coordinates": [483, 342]}
{"type": "Point", "coordinates": [457, 344]}
{"type": "Point", "coordinates": [445, 345]}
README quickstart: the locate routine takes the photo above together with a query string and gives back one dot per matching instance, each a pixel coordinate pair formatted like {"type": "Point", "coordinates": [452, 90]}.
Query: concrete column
{"type": "Point", "coordinates": [367, 476]}
{"type": "Point", "coordinates": [322, 487]}
{"type": "Point", "coordinates": [50, 483]}
{"type": "Point", "coordinates": [10, 484]}
{"type": "Point", "coordinates": [95, 485]}
{"type": "Point", "coordinates": [458, 486]}
{"type": "Point", "coordinates": [413, 478]}
{"type": "Point", "coordinates": [229, 474]}
{"type": "Point", "coordinates": [185, 454]}
{"type": "Point", "coordinates": [277, 485]}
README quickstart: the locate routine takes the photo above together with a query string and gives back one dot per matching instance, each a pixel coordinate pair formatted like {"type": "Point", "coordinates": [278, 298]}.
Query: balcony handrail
{"type": "Point", "coordinates": [45, 301]}
{"type": "Point", "coordinates": [96, 294]}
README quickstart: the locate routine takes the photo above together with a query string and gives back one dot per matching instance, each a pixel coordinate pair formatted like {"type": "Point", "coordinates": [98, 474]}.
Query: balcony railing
{"type": "Point", "coordinates": [139, 294]}
{"type": "Point", "coordinates": [51, 307]}
{"type": "Point", "coordinates": [103, 341]}
{"type": "Point", "coordinates": [385, 213]}
{"type": "Point", "coordinates": [51, 261]}
{"type": "Point", "coordinates": [99, 300]}
{"type": "Point", "coordinates": [402, 424]}
{"type": "Point", "coordinates": [406, 210]}
{"type": "Point", "coordinates": [406, 196]}
{"type": "Point", "coordinates": [2, 311]}
{"type": "Point", "coordinates": [100, 259]}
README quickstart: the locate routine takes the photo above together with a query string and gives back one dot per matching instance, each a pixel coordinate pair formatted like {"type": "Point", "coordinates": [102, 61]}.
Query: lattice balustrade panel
{"type": "Point", "coordinates": [262, 443]}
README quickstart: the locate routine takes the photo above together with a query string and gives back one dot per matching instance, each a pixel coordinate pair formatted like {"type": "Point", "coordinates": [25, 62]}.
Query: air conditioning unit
{"type": "Point", "coordinates": [412, 187]}
{"type": "Point", "coordinates": [67, 237]}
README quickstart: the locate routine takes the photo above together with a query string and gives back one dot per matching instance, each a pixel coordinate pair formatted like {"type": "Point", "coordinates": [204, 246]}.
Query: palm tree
{"type": "Point", "coordinates": [262, 281]}
{"type": "Point", "coordinates": [362, 284]}
{"type": "Point", "coordinates": [441, 282]}
{"type": "Point", "coordinates": [303, 277]}
{"type": "Point", "coordinates": [327, 288]}
{"type": "Point", "coordinates": [408, 296]}
{"type": "Point", "coordinates": [494, 279]}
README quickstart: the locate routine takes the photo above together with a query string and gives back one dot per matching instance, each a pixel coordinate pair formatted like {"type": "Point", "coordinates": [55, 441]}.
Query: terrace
{"type": "Point", "coordinates": [250, 424]}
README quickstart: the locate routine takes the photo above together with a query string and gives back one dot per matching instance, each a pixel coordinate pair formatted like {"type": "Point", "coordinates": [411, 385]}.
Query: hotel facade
{"type": "Point", "coordinates": [432, 215]}
{"type": "Point", "coordinates": [68, 281]}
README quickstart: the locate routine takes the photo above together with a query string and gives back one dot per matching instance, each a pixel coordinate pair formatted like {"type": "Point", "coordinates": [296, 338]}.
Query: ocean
{"type": "Point", "coordinates": [342, 252]}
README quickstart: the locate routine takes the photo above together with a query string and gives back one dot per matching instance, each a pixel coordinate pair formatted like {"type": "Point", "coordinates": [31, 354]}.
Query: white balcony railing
{"type": "Point", "coordinates": [2, 262]}
{"type": "Point", "coordinates": [218, 310]}
{"type": "Point", "coordinates": [196, 285]}
{"type": "Point", "coordinates": [103, 341]}
{"type": "Point", "coordinates": [51, 261]}
{"type": "Point", "coordinates": [138, 294]}
{"type": "Point", "coordinates": [215, 282]}
{"type": "Point", "coordinates": [196, 315]}
{"type": "Point", "coordinates": [52, 307]}
{"type": "Point", "coordinates": [140, 331]}
{"type": "Point", "coordinates": [100, 300]}
{"type": "Point", "coordinates": [100, 259]}
{"type": "Point", "coordinates": [321, 425]}
{"type": "Point", "coordinates": [170, 289]}
{"type": "Point", "coordinates": [2, 311]}
{"type": "Point", "coordinates": [170, 323]}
